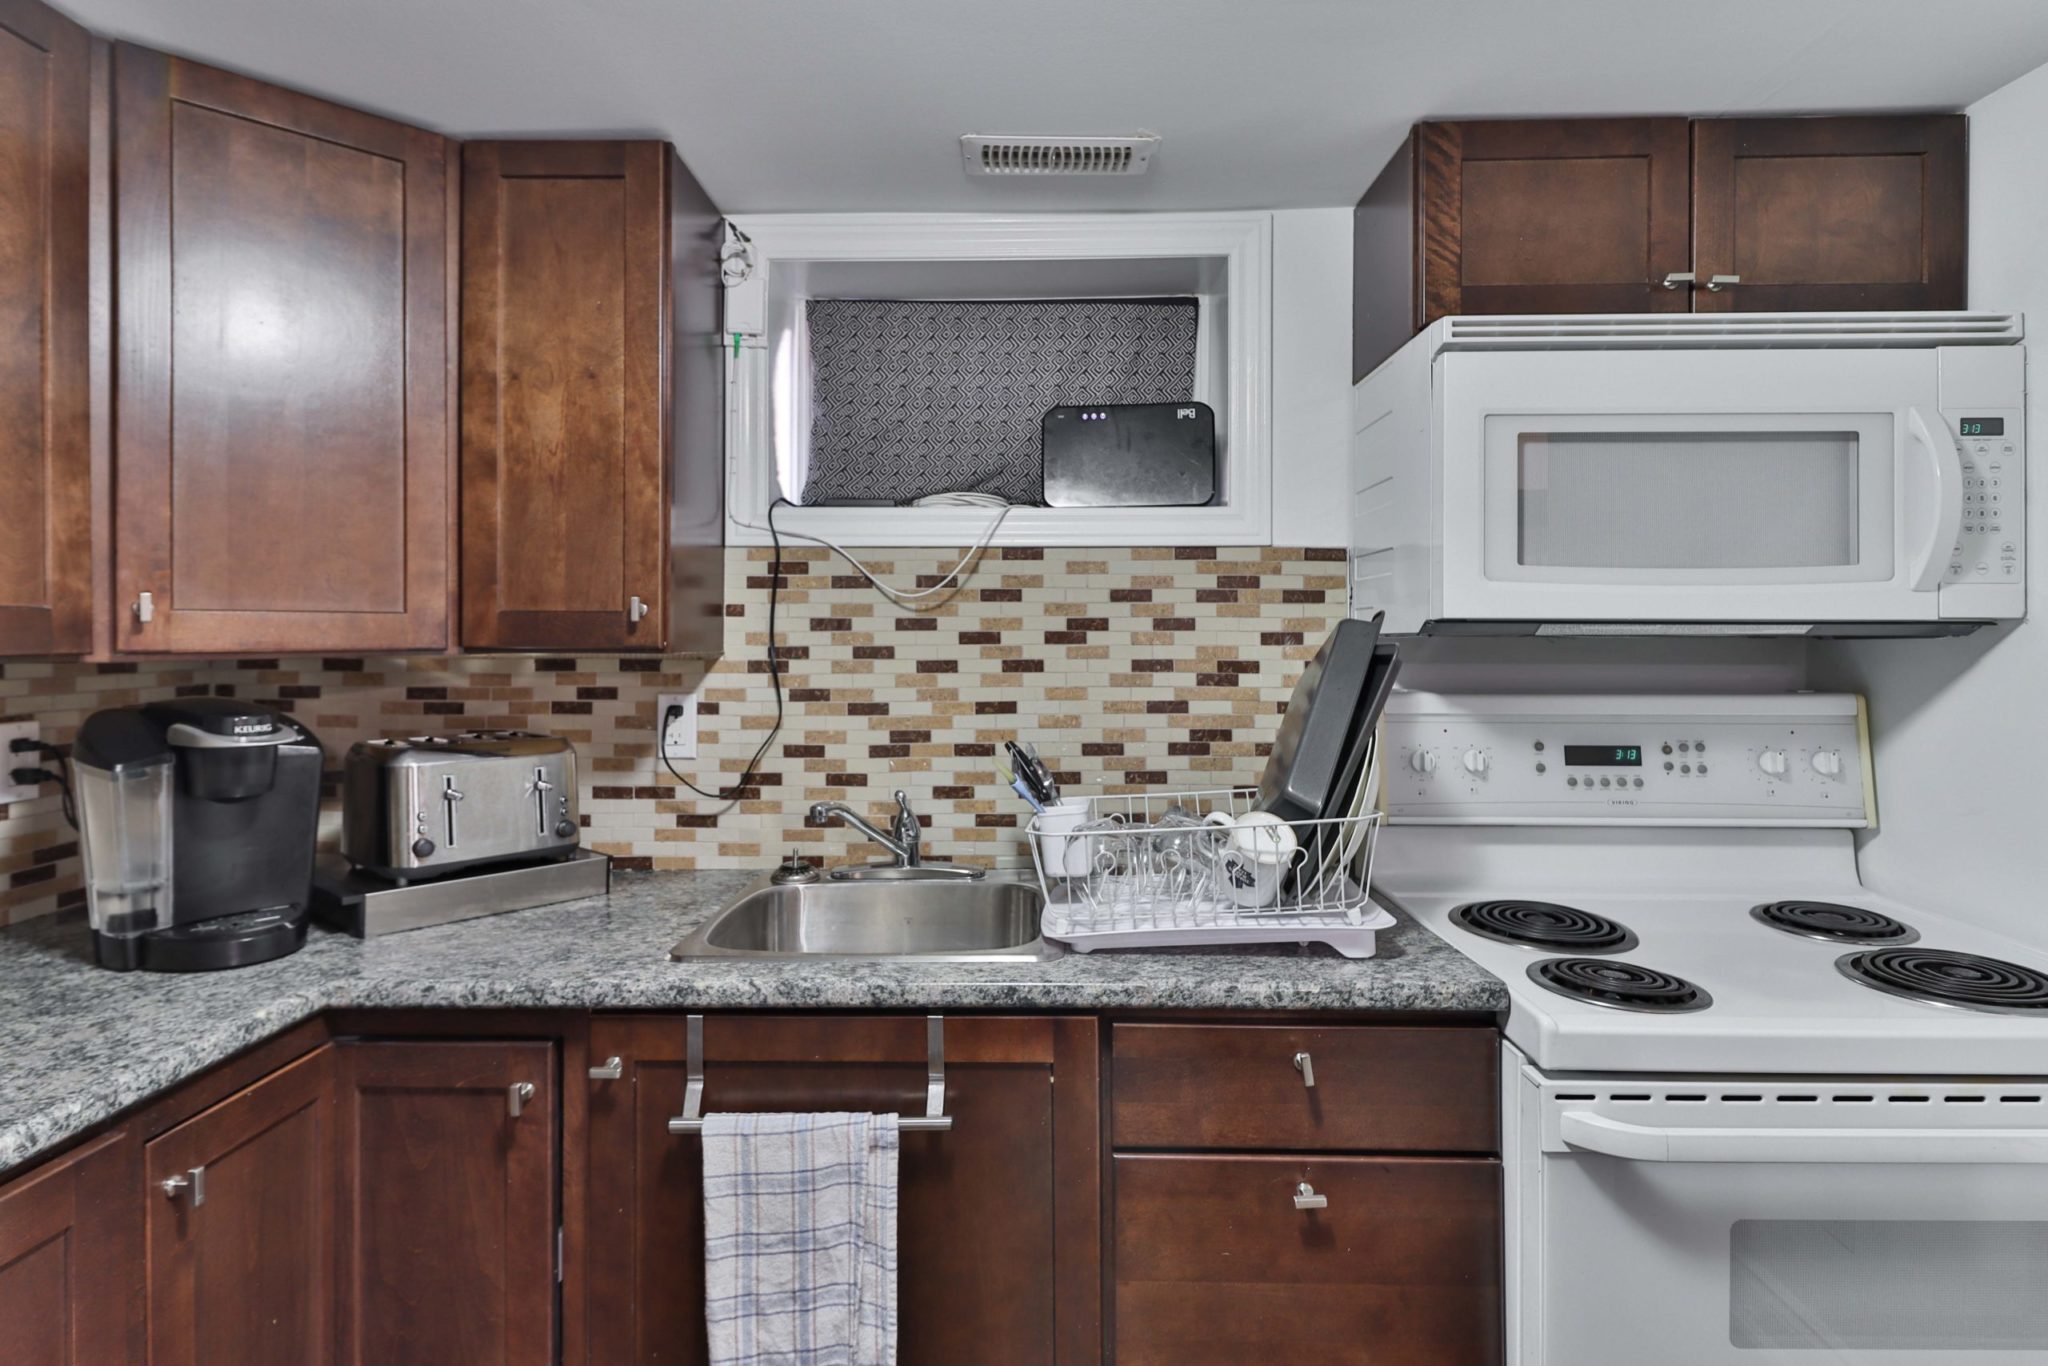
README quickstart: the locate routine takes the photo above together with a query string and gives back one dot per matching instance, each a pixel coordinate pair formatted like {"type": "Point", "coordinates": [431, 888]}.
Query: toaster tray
{"type": "Point", "coordinates": [365, 905]}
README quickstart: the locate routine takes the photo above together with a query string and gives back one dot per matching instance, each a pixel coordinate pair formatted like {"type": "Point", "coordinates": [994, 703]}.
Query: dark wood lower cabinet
{"type": "Point", "coordinates": [242, 1247]}
{"type": "Point", "coordinates": [447, 1203]}
{"type": "Point", "coordinates": [69, 1249]}
{"type": "Point", "coordinates": [1215, 1264]}
{"type": "Point", "coordinates": [998, 1245]}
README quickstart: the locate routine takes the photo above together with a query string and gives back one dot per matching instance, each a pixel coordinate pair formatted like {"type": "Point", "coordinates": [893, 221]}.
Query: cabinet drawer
{"type": "Point", "coordinates": [1237, 1086]}
{"type": "Point", "coordinates": [1215, 1264]}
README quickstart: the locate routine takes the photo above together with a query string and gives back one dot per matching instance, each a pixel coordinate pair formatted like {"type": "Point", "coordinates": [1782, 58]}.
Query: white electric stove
{"type": "Point", "coordinates": [1751, 1112]}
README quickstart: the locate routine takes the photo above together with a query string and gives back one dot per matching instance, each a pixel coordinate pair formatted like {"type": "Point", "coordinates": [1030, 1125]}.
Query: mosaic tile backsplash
{"type": "Point", "coordinates": [1149, 667]}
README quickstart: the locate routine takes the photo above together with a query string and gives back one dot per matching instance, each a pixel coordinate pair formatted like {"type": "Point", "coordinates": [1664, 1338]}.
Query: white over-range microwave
{"type": "Point", "coordinates": [1833, 474]}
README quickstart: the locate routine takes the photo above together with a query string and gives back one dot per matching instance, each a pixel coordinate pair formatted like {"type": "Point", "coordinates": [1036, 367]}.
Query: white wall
{"type": "Point", "coordinates": [1311, 375]}
{"type": "Point", "coordinates": [1961, 726]}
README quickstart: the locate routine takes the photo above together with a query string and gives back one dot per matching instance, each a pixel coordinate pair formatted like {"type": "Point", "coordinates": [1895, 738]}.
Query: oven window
{"type": "Point", "coordinates": [1888, 1285]}
{"type": "Point", "coordinates": [1688, 500]}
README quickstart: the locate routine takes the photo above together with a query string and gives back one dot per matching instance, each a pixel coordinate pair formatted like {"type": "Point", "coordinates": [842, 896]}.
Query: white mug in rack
{"type": "Point", "coordinates": [1253, 880]}
{"type": "Point", "coordinates": [1259, 833]}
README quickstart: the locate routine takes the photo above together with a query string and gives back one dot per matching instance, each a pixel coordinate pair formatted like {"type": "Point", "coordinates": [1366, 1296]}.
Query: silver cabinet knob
{"type": "Point", "coordinates": [1677, 278]}
{"type": "Point", "coordinates": [1307, 1197]}
{"type": "Point", "coordinates": [636, 609]}
{"type": "Point", "coordinates": [194, 1180]}
{"type": "Point", "coordinates": [516, 1096]}
{"type": "Point", "coordinates": [1717, 283]}
{"type": "Point", "coordinates": [145, 608]}
{"type": "Point", "coordinates": [611, 1069]}
{"type": "Point", "coordinates": [1307, 1067]}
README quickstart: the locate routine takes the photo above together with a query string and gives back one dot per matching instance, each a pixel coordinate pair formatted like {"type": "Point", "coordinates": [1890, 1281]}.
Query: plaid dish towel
{"type": "Point", "coordinates": [800, 1239]}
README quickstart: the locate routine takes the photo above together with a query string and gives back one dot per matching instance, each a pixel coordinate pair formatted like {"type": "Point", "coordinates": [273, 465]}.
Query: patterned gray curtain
{"type": "Point", "coordinates": [916, 398]}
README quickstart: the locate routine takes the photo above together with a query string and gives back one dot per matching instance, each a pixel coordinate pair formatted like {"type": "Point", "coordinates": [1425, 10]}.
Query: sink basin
{"type": "Point", "coordinates": [946, 920]}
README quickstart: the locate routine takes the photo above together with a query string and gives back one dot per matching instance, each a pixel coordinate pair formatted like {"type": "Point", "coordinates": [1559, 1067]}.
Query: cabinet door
{"type": "Point", "coordinates": [242, 1249]}
{"type": "Point", "coordinates": [70, 1249]}
{"type": "Point", "coordinates": [45, 474]}
{"type": "Point", "coordinates": [1551, 216]}
{"type": "Point", "coordinates": [1214, 1263]}
{"type": "Point", "coordinates": [565, 317]}
{"type": "Point", "coordinates": [447, 1200]}
{"type": "Point", "coordinates": [998, 1218]}
{"type": "Point", "coordinates": [1831, 213]}
{"type": "Point", "coordinates": [282, 437]}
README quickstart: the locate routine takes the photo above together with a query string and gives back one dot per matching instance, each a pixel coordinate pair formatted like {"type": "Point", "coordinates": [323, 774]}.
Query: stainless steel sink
{"type": "Point", "coordinates": [944, 920]}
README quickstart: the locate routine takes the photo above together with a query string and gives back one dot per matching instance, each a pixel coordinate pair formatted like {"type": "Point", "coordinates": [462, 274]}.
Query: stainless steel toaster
{"type": "Point", "coordinates": [432, 804]}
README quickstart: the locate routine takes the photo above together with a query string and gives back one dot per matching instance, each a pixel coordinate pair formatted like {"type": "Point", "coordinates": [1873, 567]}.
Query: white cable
{"type": "Point", "coordinates": [898, 595]}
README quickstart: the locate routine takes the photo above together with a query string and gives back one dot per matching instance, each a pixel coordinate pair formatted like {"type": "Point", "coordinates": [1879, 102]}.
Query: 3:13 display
{"type": "Point", "coordinates": [1603, 756]}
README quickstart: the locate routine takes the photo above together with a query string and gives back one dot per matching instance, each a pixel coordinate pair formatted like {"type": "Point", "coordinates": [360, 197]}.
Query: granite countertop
{"type": "Point", "coordinates": [83, 1044]}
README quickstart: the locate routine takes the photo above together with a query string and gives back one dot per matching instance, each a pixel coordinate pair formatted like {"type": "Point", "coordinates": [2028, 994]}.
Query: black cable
{"type": "Point", "coordinates": [59, 775]}
{"type": "Point", "coordinates": [731, 795]}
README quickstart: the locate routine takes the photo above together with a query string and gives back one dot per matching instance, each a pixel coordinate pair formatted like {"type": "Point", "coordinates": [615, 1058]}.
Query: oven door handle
{"type": "Point", "coordinates": [1646, 1143]}
{"type": "Point", "coordinates": [1947, 464]}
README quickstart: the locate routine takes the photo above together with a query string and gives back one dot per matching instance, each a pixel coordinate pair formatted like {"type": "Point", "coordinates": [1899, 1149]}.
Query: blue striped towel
{"type": "Point", "coordinates": [800, 1239]}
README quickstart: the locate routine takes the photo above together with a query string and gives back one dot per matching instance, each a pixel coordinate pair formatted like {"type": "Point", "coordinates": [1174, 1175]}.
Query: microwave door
{"type": "Point", "coordinates": [1739, 487]}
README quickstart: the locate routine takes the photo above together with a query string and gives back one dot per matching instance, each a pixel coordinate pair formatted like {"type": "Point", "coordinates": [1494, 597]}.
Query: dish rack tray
{"type": "Point", "coordinates": [1142, 870]}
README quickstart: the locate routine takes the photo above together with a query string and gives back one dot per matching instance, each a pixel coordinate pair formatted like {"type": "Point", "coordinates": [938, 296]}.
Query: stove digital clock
{"type": "Point", "coordinates": [1603, 756]}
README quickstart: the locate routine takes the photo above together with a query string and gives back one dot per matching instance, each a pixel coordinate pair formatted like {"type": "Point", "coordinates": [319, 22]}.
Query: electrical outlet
{"type": "Point", "coordinates": [10, 731]}
{"type": "Point", "coordinates": [678, 731]}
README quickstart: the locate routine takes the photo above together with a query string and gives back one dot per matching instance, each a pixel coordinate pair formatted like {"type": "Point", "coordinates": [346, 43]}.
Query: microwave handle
{"type": "Point", "coordinates": [1947, 464]}
{"type": "Point", "coordinates": [1595, 1133]}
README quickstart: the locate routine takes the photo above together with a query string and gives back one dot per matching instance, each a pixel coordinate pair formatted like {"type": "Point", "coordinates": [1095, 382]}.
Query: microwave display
{"type": "Point", "coordinates": [1603, 756]}
{"type": "Point", "coordinates": [1983, 426]}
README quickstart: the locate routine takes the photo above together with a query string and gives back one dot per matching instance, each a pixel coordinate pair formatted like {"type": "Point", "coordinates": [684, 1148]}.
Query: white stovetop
{"type": "Point", "coordinates": [1779, 1004]}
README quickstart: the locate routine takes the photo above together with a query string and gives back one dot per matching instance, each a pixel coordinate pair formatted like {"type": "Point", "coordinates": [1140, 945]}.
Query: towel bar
{"type": "Point", "coordinates": [691, 1120]}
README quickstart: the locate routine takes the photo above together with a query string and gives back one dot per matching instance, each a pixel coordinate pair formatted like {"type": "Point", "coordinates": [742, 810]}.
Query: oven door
{"type": "Point", "coordinates": [1779, 1224]}
{"type": "Point", "coordinates": [1697, 486]}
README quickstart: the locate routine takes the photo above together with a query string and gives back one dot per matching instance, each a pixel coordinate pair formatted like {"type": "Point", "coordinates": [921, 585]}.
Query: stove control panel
{"type": "Point", "coordinates": [1799, 759]}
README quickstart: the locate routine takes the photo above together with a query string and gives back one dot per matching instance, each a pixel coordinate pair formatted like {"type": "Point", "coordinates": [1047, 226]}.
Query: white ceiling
{"type": "Point", "coordinates": [857, 104]}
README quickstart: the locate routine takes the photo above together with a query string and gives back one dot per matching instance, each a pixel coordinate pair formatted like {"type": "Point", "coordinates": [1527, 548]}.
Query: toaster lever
{"type": "Point", "coordinates": [450, 795]}
{"type": "Point", "coordinates": [541, 788]}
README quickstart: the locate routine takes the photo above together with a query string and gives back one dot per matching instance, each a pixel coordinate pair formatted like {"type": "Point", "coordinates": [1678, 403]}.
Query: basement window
{"type": "Point", "coordinates": [878, 359]}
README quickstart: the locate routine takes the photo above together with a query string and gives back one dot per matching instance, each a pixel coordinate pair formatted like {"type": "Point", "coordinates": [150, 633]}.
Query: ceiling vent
{"type": "Point", "coordinates": [1032, 156]}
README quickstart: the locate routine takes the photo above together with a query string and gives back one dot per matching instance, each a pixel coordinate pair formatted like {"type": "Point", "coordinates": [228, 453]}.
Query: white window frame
{"type": "Point", "coordinates": [1242, 242]}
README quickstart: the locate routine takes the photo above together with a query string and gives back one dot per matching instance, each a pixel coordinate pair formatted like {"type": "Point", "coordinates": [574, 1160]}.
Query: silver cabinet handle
{"type": "Point", "coordinates": [1307, 1067]}
{"type": "Point", "coordinates": [193, 1180]}
{"type": "Point", "coordinates": [516, 1096]}
{"type": "Point", "coordinates": [1679, 277]}
{"type": "Point", "coordinates": [1306, 1197]}
{"type": "Point", "coordinates": [145, 608]}
{"type": "Point", "coordinates": [612, 1069]}
{"type": "Point", "coordinates": [1717, 283]}
{"type": "Point", "coordinates": [636, 608]}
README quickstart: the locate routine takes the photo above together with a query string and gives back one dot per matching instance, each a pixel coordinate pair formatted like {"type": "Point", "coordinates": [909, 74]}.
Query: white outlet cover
{"type": "Point", "coordinates": [678, 736]}
{"type": "Point", "coordinates": [10, 731]}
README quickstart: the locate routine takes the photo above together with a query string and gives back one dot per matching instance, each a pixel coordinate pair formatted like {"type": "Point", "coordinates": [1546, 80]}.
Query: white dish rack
{"type": "Point", "coordinates": [1141, 870]}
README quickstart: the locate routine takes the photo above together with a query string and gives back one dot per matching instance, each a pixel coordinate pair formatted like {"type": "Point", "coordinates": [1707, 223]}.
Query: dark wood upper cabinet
{"type": "Point", "coordinates": [447, 1197]}
{"type": "Point", "coordinates": [1594, 215]}
{"type": "Point", "coordinates": [1831, 213]}
{"type": "Point", "coordinates": [592, 408]}
{"type": "Point", "coordinates": [241, 1250]}
{"type": "Point", "coordinates": [999, 1225]}
{"type": "Point", "coordinates": [45, 459]}
{"type": "Point", "coordinates": [70, 1249]}
{"type": "Point", "coordinates": [282, 434]}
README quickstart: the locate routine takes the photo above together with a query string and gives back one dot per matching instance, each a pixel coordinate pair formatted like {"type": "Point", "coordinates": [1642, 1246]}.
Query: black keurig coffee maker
{"type": "Point", "coordinates": [198, 819]}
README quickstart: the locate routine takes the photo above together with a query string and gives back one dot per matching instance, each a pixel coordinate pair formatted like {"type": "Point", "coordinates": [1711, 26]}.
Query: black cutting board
{"type": "Point", "coordinates": [1302, 775]}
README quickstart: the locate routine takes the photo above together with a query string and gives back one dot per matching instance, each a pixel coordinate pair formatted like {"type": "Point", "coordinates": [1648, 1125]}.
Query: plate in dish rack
{"type": "Point", "coordinates": [1085, 929]}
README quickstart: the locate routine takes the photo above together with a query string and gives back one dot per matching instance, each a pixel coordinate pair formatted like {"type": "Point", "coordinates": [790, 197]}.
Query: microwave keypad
{"type": "Point", "coordinates": [1987, 548]}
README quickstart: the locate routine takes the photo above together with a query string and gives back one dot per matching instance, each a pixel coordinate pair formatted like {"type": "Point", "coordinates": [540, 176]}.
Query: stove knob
{"type": "Point", "coordinates": [1475, 761]}
{"type": "Point", "coordinates": [1772, 761]}
{"type": "Point", "coordinates": [1422, 761]}
{"type": "Point", "coordinates": [1827, 763]}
